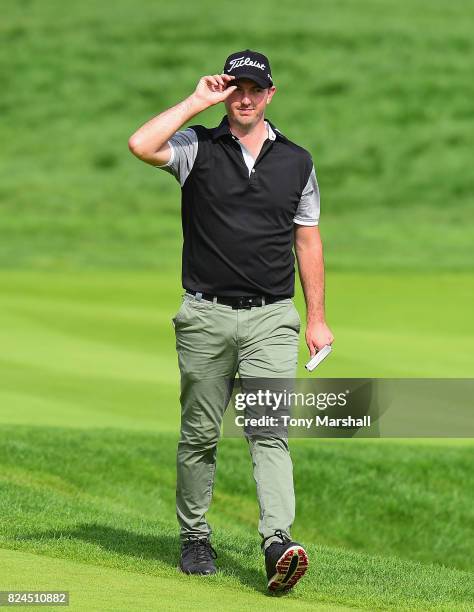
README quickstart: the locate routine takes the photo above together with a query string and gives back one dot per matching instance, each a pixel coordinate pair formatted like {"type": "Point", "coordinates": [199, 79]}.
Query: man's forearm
{"type": "Point", "coordinates": [151, 136]}
{"type": "Point", "coordinates": [311, 270]}
{"type": "Point", "coordinates": [147, 142]}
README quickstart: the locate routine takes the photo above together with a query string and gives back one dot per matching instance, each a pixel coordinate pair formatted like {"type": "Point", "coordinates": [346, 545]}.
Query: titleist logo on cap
{"type": "Point", "coordinates": [244, 61]}
{"type": "Point", "coordinates": [250, 64]}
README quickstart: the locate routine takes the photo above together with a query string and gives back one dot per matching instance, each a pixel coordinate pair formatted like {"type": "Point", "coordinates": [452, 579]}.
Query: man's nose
{"type": "Point", "coordinates": [246, 100]}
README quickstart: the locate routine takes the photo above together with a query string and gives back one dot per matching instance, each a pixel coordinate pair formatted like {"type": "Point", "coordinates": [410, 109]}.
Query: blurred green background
{"type": "Point", "coordinates": [381, 95]}
{"type": "Point", "coordinates": [379, 92]}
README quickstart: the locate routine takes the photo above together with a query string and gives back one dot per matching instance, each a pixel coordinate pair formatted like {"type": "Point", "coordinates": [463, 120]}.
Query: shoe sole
{"type": "Point", "coordinates": [210, 573]}
{"type": "Point", "coordinates": [290, 567]}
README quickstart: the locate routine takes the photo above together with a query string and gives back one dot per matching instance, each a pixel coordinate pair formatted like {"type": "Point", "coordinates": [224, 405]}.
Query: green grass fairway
{"type": "Point", "coordinates": [89, 414]}
{"type": "Point", "coordinates": [97, 348]}
{"type": "Point", "coordinates": [96, 588]}
{"type": "Point", "coordinates": [103, 589]}
{"type": "Point", "coordinates": [104, 498]}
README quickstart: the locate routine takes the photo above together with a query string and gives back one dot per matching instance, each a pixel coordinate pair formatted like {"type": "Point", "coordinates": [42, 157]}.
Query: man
{"type": "Point", "coordinates": [249, 195]}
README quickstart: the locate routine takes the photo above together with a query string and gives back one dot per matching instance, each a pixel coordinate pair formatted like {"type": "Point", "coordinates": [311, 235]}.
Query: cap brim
{"type": "Point", "coordinates": [253, 77]}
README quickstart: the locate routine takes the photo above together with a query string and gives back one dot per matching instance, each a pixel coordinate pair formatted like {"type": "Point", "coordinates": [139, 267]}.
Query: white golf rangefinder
{"type": "Point", "coordinates": [320, 355]}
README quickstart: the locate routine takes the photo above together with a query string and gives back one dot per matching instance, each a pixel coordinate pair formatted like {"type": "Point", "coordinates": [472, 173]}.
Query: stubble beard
{"type": "Point", "coordinates": [247, 122]}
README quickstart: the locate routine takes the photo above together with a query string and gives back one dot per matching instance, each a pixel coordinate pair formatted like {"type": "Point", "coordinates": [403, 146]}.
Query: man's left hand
{"type": "Point", "coordinates": [318, 335]}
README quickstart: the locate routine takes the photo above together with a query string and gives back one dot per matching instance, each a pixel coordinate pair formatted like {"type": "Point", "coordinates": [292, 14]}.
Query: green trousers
{"type": "Point", "coordinates": [215, 342]}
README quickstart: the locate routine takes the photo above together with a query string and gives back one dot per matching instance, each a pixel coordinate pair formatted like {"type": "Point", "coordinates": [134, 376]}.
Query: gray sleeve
{"type": "Point", "coordinates": [184, 148]}
{"type": "Point", "coordinates": [307, 212]}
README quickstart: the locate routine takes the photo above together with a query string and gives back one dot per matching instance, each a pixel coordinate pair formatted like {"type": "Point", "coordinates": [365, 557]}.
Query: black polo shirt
{"type": "Point", "coordinates": [238, 221]}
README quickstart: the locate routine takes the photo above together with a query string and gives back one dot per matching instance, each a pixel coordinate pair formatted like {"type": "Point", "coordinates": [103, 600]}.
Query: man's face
{"type": "Point", "coordinates": [246, 104]}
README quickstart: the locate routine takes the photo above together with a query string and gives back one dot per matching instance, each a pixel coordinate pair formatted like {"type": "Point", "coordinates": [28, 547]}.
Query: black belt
{"type": "Point", "coordinates": [244, 301]}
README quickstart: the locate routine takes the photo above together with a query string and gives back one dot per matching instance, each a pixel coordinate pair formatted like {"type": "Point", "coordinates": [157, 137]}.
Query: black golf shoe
{"type": "Point", "coordinates": [286, 562]}
{"type": "Point", "coordinates": [197, 557]}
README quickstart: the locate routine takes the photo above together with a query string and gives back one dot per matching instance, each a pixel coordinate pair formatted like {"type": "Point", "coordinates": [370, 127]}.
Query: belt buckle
{"type": "Point", "coordinates": [244, 302]}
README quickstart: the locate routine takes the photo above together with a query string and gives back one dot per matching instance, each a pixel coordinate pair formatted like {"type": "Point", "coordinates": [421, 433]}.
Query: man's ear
{"type": "Point", "coordinates": [271, 89]}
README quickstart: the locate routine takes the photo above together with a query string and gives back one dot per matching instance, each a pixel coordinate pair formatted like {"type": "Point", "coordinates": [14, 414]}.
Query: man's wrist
{"type": "Point", "coordinates": [315, 319]}
{"type": "Point", "coordinates": [195, 105]}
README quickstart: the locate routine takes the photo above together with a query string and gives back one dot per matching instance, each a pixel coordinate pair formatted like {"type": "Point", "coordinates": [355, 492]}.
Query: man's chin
{"type": "Point", "coordinates": [245, 120]}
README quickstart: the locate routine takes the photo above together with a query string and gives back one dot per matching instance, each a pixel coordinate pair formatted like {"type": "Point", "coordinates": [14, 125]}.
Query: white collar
{"type": "Point", "coordinates": [271, 133]}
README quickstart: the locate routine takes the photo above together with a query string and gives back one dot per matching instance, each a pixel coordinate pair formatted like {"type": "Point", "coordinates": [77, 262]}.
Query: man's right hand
{"type": "Point", "coordinates": [213, 89]}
